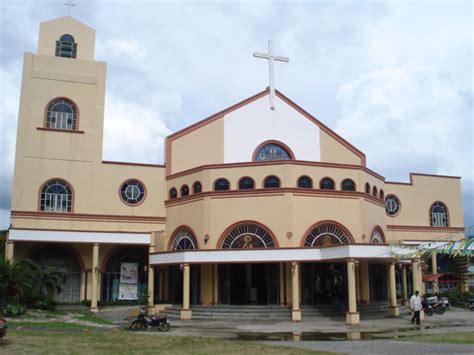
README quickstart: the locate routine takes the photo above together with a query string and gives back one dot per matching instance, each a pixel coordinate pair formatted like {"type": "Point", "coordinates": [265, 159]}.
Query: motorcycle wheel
{"type": "Point", "coordinates": [440, 310]}
{"type": "Point", "coordinates": [429, 312]}
{"type": "Point", "coordinates": [164, 327]}
{"type": "Point", "coordinates": [136, 326]}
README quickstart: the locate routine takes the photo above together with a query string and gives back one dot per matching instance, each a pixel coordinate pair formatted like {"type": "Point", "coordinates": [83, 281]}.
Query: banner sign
{"type": "Point", "coordinates": [128, 289]}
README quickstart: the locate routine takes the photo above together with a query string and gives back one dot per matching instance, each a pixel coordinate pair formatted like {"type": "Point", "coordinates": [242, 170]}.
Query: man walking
{"type": "Point", "coordinates": [415, 305]}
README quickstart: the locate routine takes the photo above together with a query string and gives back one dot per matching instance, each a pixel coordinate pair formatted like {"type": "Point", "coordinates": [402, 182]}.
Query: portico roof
{"type": "Point", "coordinates": [268, 255]}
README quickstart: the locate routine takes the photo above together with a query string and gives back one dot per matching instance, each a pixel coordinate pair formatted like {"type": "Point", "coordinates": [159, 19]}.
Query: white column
{"type": "Point", "coordinates": [186, 312]}
{"type": "Point", "coordinates": [95, 278]}
{"type": "Point", "coordinates": [352, 316]}
{"type": "Point", "coordinates": [151, 278]}
{"type": "Point", "coordinates": [393, 308]}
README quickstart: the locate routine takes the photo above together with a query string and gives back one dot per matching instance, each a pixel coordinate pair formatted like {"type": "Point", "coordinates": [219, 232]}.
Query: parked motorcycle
{"type": "Point", "coordinates": [438, 308]}
{"type": "Point", "coordinates": [3, 327]}
{"type": "Point", "coordinates": [427, 308]}
{"type": "Point", "coordinates": [143, 321]}
{"type": "Point", "coordinates": [471, 303]}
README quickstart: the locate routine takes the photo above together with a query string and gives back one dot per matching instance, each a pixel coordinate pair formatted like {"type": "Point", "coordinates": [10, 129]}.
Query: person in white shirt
{"type": "Point", "coordinates": [415, 305]}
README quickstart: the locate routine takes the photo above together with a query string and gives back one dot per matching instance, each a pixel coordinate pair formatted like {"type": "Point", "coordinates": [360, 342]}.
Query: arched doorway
{"type": "Point", "coordinates": [63, 260]}
{"type": "Point", "coordinates": [324, 283]}
{"type": "Point", "coordinates": [131, 264]}
{"type": "Point", "coordinates": [248, 283]}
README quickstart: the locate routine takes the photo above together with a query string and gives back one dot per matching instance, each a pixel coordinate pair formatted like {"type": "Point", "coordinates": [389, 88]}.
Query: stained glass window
{"type": "Point", "coordinates": [221, 185]}
{"type": "Point", "coordinates": [439, 215]}
{"type": "Point", "coordinates": [173, 193]}
{"type": "Point", "coordinates": [272, 151]}
{"type": "Point", "coordinates": [197, 188]}
{"type": "Point", "coordinates": [327, 184]}
{"type": "Point", "coordinates": [184, 190]}
{"type": "Point", "coordinates": [184, 240]}
{"type": "Point", "coordinates": [271, 181]}
{"type": "Point", "coordinates": [246, 183]}
{"type": "Point", "coordinates": [305, 182]}
{"type": "Point", "coordinates": [348, 185]}
{"type": "Point", "coordinates": [247, 236]}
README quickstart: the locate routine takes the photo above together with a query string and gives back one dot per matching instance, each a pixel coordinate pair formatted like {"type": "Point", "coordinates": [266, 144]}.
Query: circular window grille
{"type": "Point", "coordinates": [392, 205]}
{"type": "Point", "coordinates": [184, 240]}
{"type": "Point", "coordinates": [132, 191]}
{"type": "Point", "coordinates": [326, 235]}
{"type": "Point", "coordinates": [376, 237]}
{"type": "Point", "coordinates": [248, 236]}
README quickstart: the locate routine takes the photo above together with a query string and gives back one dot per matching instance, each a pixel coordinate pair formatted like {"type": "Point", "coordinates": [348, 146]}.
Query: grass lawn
{"type": "Point", "coordinates": [449, 338]}
{"type": "Point", "coordinates": [125, 342]}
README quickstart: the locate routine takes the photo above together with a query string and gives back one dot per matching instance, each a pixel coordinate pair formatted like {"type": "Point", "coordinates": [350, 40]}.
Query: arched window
{"type": "Point", "coordinates": [173, 193]}
{"type": "Point", "coordinates": [272, 151]}
{"type": "Point", "coordinates": [392, 205]}
{"type": "Point", "coordinates": [132, 192]}
{"type": "Point", "coordinates": [184, 190]}
{"type": "Point", "coordinates": [305, 182]}
{"type": "Point", "coordinates": [326, 235]}
{"type": "Point", "coordinates": [184, 239]}
{"type": "Point", "coordinates": [347, 185]}
{"type": "Point", "coordinates": [61, 114]}
{"type": "Point", "coordinates": [327, 184]}
{"type": "Point", "coordinates": [246, 183]}
{"type": "Point", "coordinates": [66, 47]}
{"type": "Point", "coordinates": [197, 187]}
{"type": "Point", "coordinates": [56, 196]}
{"type": "Point", "coordinates": [271, 182]}
{"type": "Point", "coordinates": [375, 191]}
{"type": "Point", "coordinates": [367, 188]}
{"type": "Point", "coordinates": [247, 236]}
{"type": "Point", "coordinates": [221, 185]}
{"type": "Point", "coordinates": [439, 215]}
{"type": "Point", "coordinates": [381, 194]}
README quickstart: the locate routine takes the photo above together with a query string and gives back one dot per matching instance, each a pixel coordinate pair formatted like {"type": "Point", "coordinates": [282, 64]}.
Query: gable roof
{"type": "Point", "coordinates": [247, 101]}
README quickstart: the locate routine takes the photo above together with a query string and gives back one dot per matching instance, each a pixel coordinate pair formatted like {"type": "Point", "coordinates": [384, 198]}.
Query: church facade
{"type": "Point", "coordinates": [253, 205]}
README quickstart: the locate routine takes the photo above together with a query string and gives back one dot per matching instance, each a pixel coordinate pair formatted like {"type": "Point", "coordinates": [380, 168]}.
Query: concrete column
{"type": "Point", "coordinates": [95, 278]}
{"type": "Point", "coordinates": [295, 292]}
{"type": "Point", "coordinates": [281, 275]}
{"type": "Point", "coordinates": [151, 279]}
{"type": "Point", "coordinates": [352, 316]}
{"type": "Point", "coordinates": [434, 268]}
{"type": "Point", "coordinates": [82, 294]}
{"type": "Point", "coordinates": [393, 309]}
{"type": "Point", "coordinates": [186, 312]}
{"type": "Point", "coordinates": [216, 284]}
{"type": "Point", "coordinates": [357, 276]}
{"type": "Point", "coordinates": [364, 282]}
{"type": "Point", "coordinates": [9, 250]}
{"type": "Point", "coordinates": [417, 280]}
{"type": "Point", "coordinates": [405, 301]}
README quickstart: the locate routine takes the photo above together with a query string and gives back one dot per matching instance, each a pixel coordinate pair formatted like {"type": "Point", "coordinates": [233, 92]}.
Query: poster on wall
{"type": "Point", "coordinates": [128, 289]}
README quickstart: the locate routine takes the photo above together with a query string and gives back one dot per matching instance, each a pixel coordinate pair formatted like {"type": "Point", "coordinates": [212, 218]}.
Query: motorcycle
{"type": "Point", "coordinates": [427, 308]}
{"type": "Point", "coordinates": [143, 321]}
{"type": "Point", "coordinates": [438, 308]}
{"type": "Point", "coordinates": [471, 303]}
{"type": "Point", "coordinates": [3, 327]}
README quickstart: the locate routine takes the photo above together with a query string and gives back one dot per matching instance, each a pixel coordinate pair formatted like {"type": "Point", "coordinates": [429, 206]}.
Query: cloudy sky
{"type": "Point", "coordinates": [393, 78]}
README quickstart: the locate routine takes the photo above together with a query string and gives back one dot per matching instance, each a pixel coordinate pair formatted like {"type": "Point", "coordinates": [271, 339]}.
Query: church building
{"type": "Point", "coordinates": [258, 204]}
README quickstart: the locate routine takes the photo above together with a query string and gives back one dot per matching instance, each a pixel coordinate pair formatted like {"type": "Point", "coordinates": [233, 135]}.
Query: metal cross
{"type": "Point", "coordinates": [271, 61]}
{"type": "Point", "coordinates": [71, 5]}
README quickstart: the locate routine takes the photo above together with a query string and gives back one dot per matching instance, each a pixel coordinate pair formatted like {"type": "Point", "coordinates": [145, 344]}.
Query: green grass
{"type": "Point", "coordinates": [125, 342]}
{"type": "Point", "coordinates": [91, 317]}
{"type": "Point", "coordinates": [48, 325]}
{"type": "Point", "coordinates": [449, 338]}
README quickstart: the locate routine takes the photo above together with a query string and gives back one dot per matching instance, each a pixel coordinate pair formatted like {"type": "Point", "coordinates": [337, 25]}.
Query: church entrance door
{"type": "Point", "coordinates": [247, 284]}
{"type": "Point", "coordinates": [323, 283]}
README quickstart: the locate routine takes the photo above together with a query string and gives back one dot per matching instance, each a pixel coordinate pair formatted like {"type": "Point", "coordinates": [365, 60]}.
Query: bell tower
{"type": "Point", "coordinates": [61, 115]}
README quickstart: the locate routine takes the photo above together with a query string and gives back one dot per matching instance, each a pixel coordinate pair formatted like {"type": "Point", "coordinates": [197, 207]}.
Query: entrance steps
{"type": "Point", "coordinates": [270, 313]}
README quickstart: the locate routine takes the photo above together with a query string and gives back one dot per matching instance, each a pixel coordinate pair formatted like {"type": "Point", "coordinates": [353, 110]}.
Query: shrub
{"type": "Point", "coordinates": [13, 309]}
{"type": "Point", "coordinates": [457, 298]}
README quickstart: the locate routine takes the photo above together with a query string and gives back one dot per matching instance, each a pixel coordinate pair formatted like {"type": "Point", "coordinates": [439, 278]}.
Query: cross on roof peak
{"type": "Point", "coordinates": [70, 5]}
{"type": "Point", "coordinates": [271, 61]}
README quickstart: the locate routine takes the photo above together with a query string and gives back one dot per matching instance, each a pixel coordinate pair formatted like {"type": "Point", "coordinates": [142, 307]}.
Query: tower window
{"type": "Point", "coordinates": [327, 184]}
{"type": "Point", "coordinates": [221, 185]}
{"type": "Point", "coordinates": [66, 47]}
{"type": "Point", "coordinates": [246, 183]}
{"type": "Point", "coordinates": [305, 182]}
{"type": "Point", "coordinates": [271, 182]}
{"type": "Point", "coordinates": [61, 114]}
{"type": "Point", "coordinates": [56, 196]}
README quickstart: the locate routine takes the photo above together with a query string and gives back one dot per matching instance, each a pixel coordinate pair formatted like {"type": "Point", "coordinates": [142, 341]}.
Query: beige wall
{"type": "Point", "coordinates": [334, 152]}
{"type": "Point", "coordinates": [416, 200]}
{"type": "Point", "coordinates": [200, 147]}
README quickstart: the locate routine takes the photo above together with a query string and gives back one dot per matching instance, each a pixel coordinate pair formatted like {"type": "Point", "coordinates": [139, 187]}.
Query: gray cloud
{"type": "Point", "coordinates": [385, 75]}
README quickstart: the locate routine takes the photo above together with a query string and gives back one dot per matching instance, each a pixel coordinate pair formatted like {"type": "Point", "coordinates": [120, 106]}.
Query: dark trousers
{"type": "Point", "coordinates": [416, 316]}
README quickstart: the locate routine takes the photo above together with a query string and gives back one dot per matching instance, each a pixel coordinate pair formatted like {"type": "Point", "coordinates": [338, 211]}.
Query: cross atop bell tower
{"type": "Point", "coordinates": [271, 62]}
{"type": "Point", "coordinates": [70, 5]}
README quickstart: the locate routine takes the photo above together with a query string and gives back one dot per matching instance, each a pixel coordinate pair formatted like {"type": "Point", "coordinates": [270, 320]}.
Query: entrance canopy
{"type": "Point", "coordinates": [273, 255]}
{"type": "Point", "coordinates": [431, 277]}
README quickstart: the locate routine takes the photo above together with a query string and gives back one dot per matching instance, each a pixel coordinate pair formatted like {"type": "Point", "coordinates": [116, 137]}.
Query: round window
{"type": "Point", "coordinates": [392, 205]}
{"type": "Point", "coordinates": [132, 192]}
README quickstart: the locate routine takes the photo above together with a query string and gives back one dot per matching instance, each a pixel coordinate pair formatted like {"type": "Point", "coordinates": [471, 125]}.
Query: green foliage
{"type": "Point", "coordinates": [24, 284]}
{"type": "Point", "coordinates": [458, 298]}
{"type": "Point", "coordinates": [3, 240]}
{"type": "Point", "coordinates": [13, 309]}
